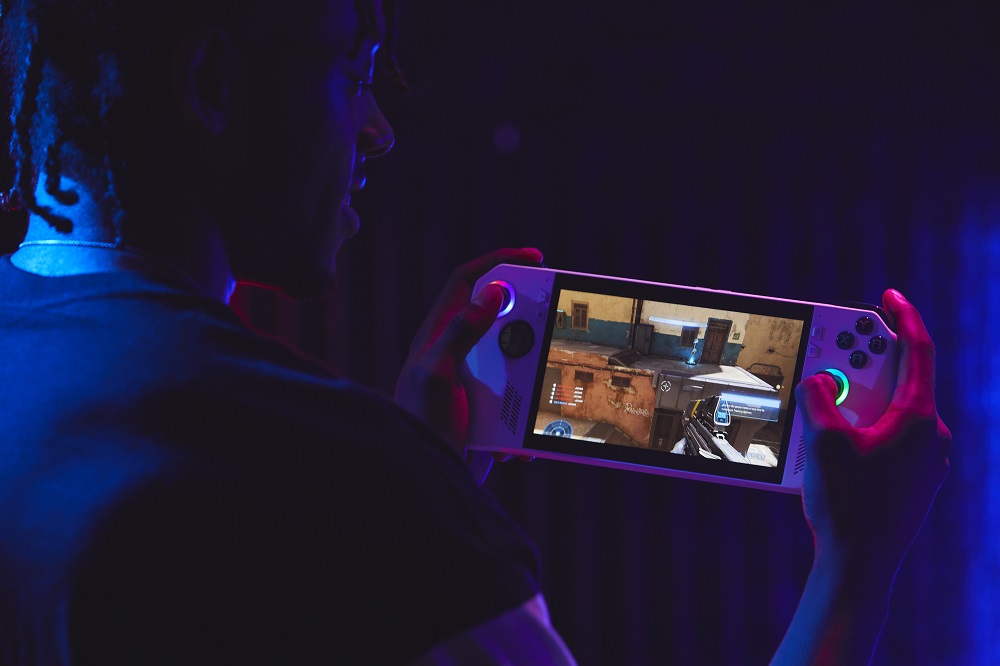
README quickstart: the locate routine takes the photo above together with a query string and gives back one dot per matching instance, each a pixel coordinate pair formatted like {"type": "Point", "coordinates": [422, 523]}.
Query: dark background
{"type": "Point", "coordinates": [820, 151]}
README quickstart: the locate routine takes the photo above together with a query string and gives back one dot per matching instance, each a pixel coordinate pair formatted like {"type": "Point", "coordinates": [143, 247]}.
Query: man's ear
{"type": "Point", "coordinates": [203, 72]}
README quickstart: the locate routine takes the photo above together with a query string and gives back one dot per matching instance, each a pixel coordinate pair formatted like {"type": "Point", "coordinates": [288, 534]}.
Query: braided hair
{"type": "Point", "coordinates": [75, 67]}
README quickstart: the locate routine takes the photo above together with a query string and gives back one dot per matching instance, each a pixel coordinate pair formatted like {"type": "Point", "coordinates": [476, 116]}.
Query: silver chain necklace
{"type": "Point", "coordinates": [179, 273]}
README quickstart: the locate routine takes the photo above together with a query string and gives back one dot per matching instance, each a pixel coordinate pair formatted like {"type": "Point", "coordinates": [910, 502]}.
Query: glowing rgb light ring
{"type": "Point", "coordinates": [509, 291]}
{"type": "Point", "coordinates": [845, 383]}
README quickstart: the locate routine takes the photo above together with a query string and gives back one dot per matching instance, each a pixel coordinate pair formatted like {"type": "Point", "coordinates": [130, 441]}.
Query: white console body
{"type": "Point", "coordinates": [666, 379]}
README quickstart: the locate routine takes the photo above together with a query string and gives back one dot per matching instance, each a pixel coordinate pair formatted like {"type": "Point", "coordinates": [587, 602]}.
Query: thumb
{"type": "Point", "coordinates": [817, 396]}
{"type": "Point", "coordinates": [471, 323]}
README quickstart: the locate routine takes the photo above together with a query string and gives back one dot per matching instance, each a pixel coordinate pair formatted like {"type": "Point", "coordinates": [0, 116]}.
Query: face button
{"type": "Point", "coordinates": [865, 325]}
{"type": "Point", "coordinates": [516, 339]}
{"type": "Point", "coordinates": [878, 344]}
{"type": "Point", "coordinates": [858, 359]}
{"type": "Point", "coordinates": [845, 339]}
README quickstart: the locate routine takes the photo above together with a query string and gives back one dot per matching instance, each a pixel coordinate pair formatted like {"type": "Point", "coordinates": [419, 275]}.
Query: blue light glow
{"type": "Point", "coordinates": [978, 381]}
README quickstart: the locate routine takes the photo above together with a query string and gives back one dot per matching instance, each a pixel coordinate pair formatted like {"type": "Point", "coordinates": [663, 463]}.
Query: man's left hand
{"type": "Point", "coordinates": [429, 384]}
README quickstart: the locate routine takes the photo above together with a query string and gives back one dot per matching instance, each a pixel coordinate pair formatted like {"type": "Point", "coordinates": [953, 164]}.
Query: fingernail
{"type": "Point", "coordinates": [898, 295]}
{"type": "Point", "coordinates": [487, 295]}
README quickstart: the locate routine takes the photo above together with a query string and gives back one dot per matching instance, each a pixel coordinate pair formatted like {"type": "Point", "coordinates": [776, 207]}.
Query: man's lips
{"type": "Point", "coordinates": [358, 177]}
{"type": "Point", "coordinates": [358, 180]}
{"type": "Point", "coordinates": [354, 188]}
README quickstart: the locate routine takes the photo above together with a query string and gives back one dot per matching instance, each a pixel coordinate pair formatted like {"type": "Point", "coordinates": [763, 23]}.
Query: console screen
{"type": "Point", "coordinates": [669, 377]}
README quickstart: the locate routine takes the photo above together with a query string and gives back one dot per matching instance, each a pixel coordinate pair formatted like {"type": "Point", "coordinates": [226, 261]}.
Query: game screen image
{"type": "Point", "coordinates": [681, 380]}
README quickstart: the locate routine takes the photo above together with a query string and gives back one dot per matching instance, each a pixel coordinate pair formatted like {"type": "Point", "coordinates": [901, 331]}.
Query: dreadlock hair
{"type": "Point", "coordinates": [78, 68]}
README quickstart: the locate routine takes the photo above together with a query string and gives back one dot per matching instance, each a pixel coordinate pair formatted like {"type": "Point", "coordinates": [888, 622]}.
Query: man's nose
{"type": "Point", "coordinates": [376, 136]}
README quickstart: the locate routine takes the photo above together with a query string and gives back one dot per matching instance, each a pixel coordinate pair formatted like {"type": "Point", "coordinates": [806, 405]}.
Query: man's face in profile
{"type": "Point", "coordinates": [305, 122]}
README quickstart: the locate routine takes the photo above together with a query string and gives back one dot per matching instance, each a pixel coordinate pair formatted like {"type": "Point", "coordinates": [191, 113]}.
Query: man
{"type": "Point", "coordinates": [175, 489]}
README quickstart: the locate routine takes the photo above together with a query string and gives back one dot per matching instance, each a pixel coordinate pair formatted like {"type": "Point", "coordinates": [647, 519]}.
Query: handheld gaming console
{"type": "Point", "coordinates": [666, 379]}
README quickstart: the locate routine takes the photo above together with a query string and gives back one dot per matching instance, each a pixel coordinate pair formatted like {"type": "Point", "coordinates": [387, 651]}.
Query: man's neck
{"type": "Point", "coordinates": [181, 243]}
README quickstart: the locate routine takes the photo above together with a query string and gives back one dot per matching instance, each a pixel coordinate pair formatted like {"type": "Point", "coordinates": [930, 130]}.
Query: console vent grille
{"type": "Point", "coordinates": [800, 459]}
{"type": "Point", "coordinates": [511, 409]}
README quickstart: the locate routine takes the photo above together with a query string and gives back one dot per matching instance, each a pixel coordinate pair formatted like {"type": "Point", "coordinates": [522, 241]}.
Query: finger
{"type": "Point", "coordinates": [458, 289]}
{"type": "Point", "coordinates": [471, 271]}
{"type": "Point", "coordinates": [485, 305]}
{"type": "Point", "coordinates": [915, 378]}
{"type": "Point", "coordinates": [468, 325]}
{"type": "Point", "coordinates": [463, 279]}
{"type": "Point", "coordinates": [817, 396]}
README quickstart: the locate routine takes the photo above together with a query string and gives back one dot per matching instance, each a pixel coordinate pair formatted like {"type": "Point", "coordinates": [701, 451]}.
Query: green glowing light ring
{"type": "Point", "coordinates": [845, 384]}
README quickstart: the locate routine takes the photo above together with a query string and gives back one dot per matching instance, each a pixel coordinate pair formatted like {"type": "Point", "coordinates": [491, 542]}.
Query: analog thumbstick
{"type": "Point", "coordinates": [507, 305]}
{"type": "Point", "coordinates": [843, 384]}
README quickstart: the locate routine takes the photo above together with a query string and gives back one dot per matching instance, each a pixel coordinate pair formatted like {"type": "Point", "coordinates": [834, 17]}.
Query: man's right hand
{"type": "Point", "coordinates": [867, 490]}
{"type": "Point", "coordinates": [865, 495]}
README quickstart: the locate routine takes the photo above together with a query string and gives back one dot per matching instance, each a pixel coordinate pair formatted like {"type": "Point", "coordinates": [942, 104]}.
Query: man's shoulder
{"type": "Point", "coordinates": [256, 494]}
{"type": "Point", "coordinates": [122, 358]}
